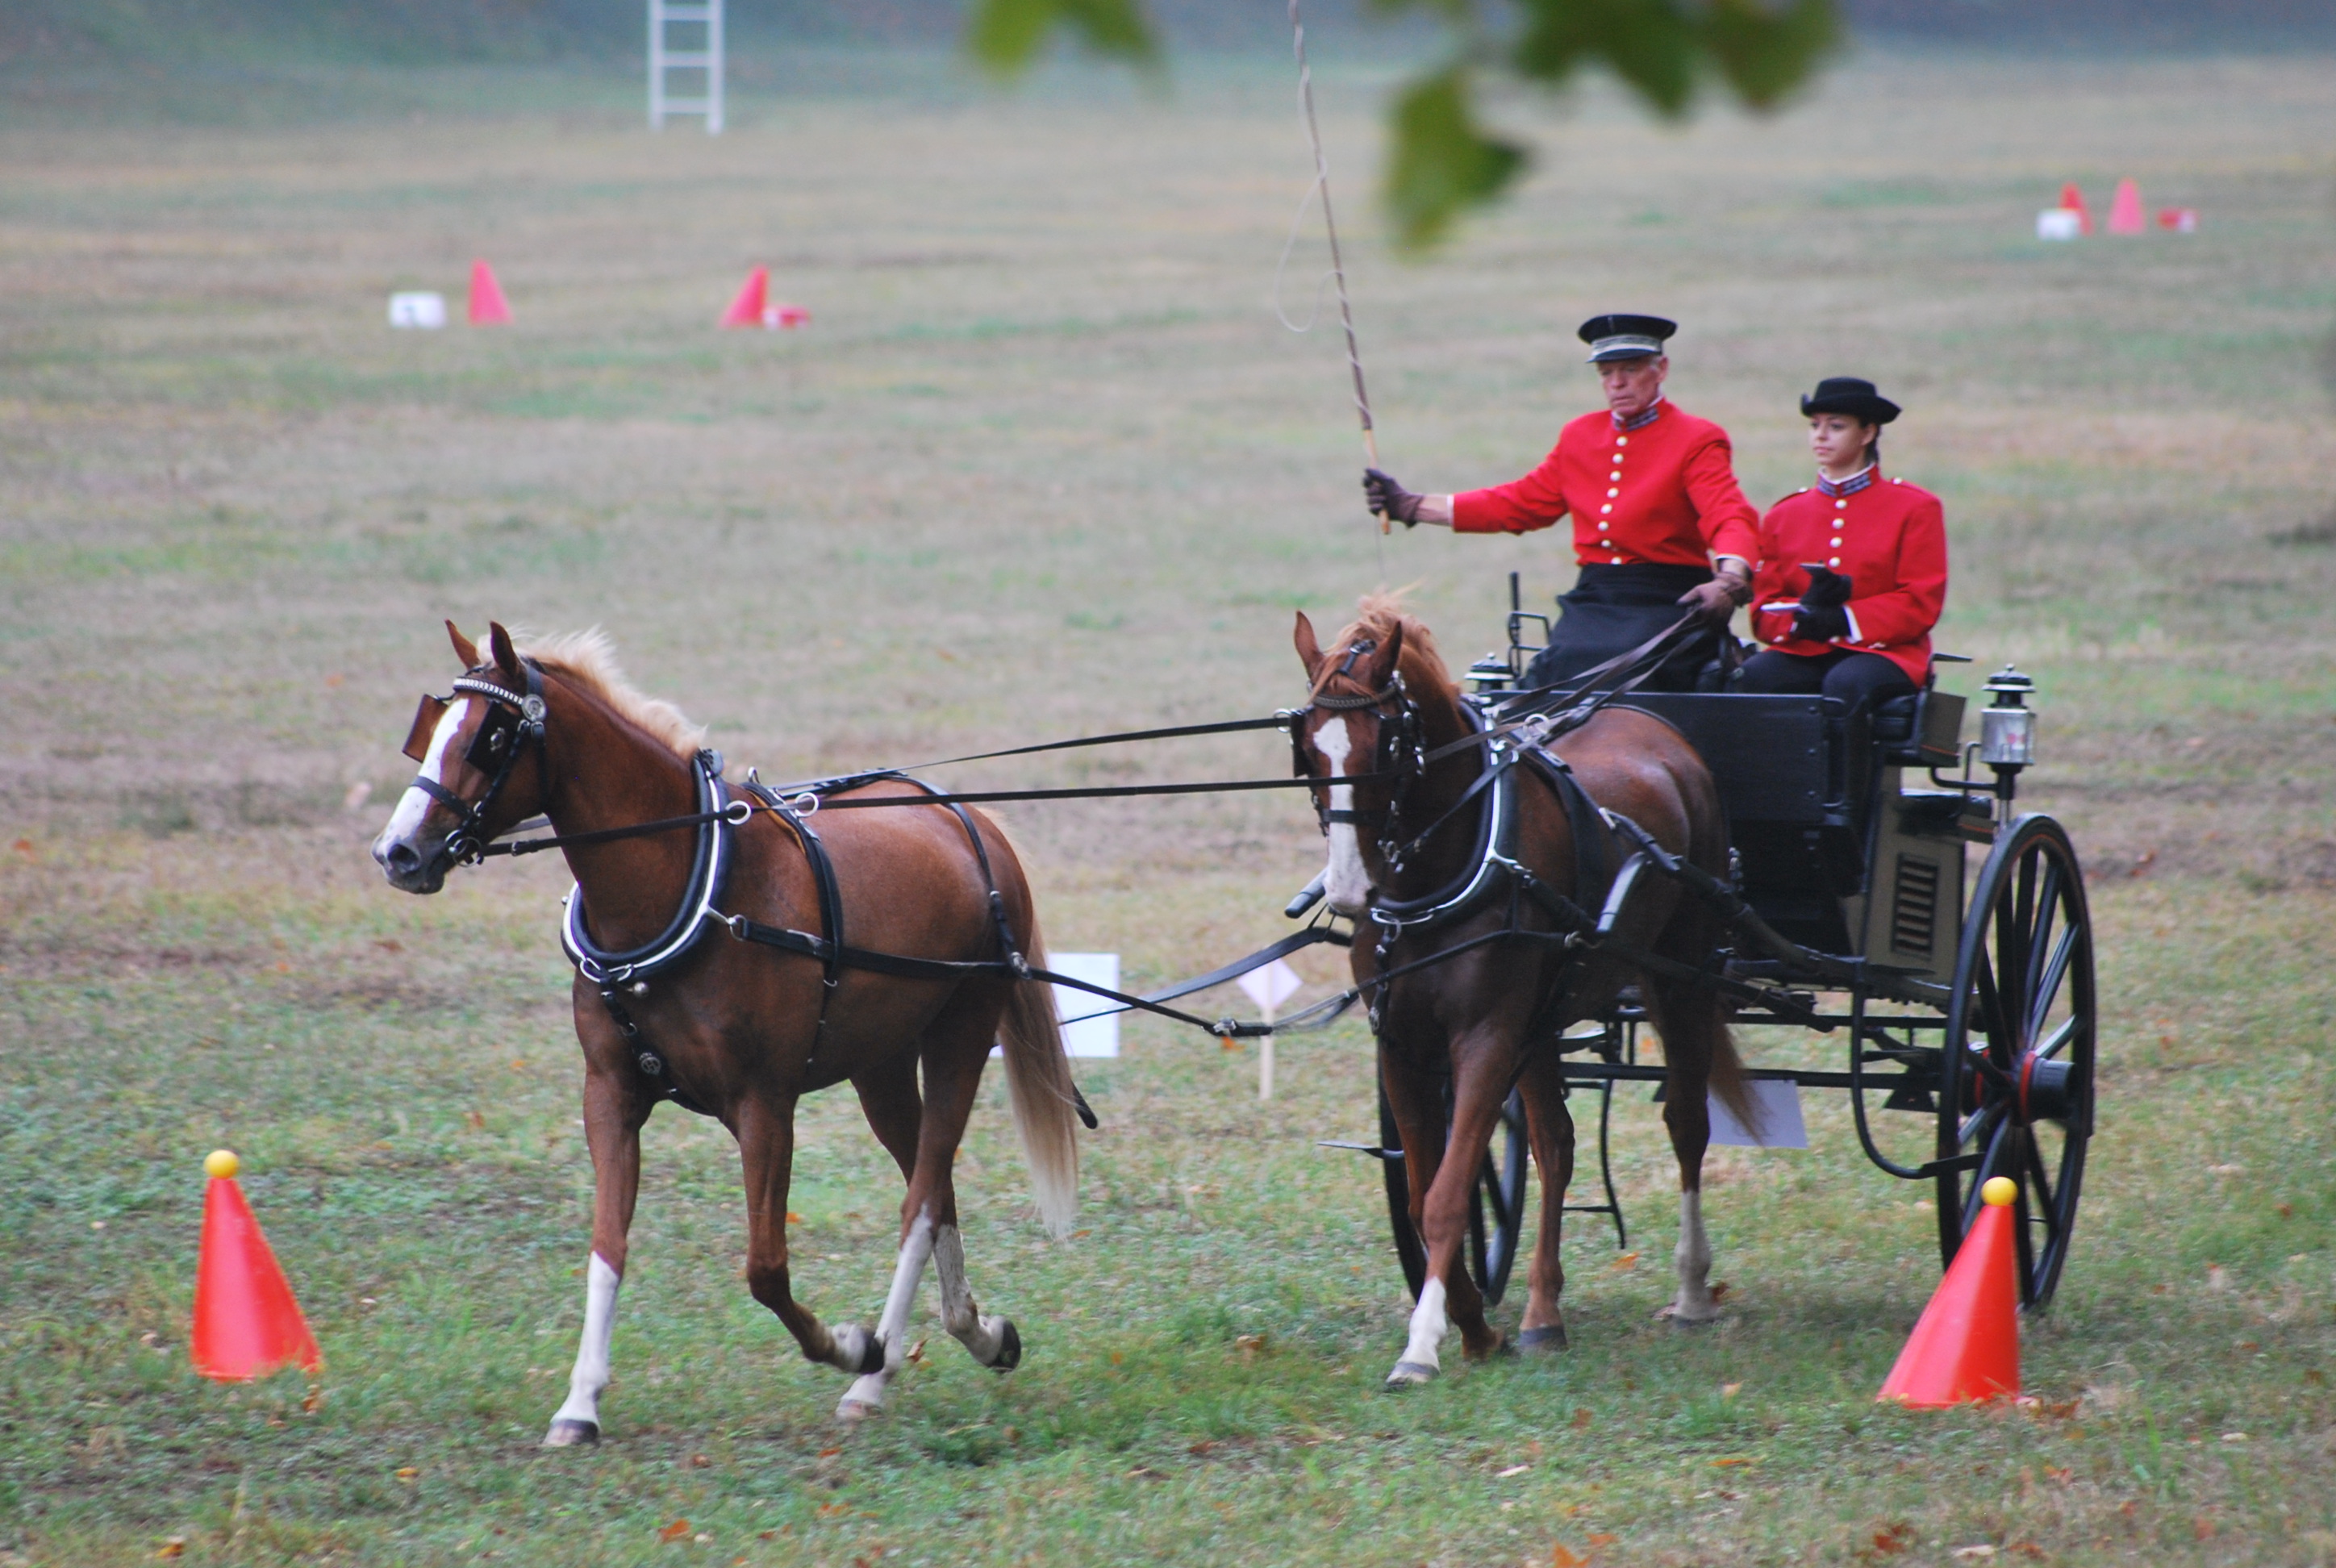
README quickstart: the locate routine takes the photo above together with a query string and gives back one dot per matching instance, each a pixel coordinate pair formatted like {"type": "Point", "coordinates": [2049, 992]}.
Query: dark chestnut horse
{"type": "Point", "coordinates": [1484, 1017]}
{"type": "Point", "coordinates": [734, 1029]}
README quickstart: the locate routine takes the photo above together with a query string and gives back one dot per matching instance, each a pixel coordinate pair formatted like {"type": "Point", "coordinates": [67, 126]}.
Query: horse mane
{"type": "Point", "coordinates": [588, 659]}
{"type": "Point", "coordinates": [1422, 668]}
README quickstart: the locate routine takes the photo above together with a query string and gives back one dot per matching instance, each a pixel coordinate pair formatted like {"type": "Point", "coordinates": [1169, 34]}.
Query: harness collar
{"type": "Point", "coordinates": [607, 967]}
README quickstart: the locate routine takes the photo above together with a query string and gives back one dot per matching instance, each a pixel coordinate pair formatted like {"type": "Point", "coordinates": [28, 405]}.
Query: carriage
{"type": "Point", "coordinates": [1961, 984]}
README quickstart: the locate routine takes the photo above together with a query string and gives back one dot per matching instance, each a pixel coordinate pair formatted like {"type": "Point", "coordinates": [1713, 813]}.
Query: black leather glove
{"type": "Point", "coordinates": [1822, 623]}
{"type": "Point", "coordinates": [1385, 498]}
{"type": "Point", "coordinates": [1826, 589]}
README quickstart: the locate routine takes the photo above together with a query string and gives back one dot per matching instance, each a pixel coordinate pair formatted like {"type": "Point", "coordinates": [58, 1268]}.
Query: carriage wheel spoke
{"type": "Point", "coordinates": [2039, 941]}
{"type": "Point", "coordinates": [2009, 970]}
{"type": "Point", "coordinates": [2042, 1183]}
{"type": "Point", "coordinates": [1980, 1126]}
{"type": "Point", "coordinates": [2053, 1043]}
{"type": "Point", "coordinates": [2049, 980]}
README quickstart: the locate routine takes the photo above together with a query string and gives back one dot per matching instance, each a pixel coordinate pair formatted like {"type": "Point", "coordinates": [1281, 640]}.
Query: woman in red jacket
{"type": "Point", "coordinates": [1854, 570]}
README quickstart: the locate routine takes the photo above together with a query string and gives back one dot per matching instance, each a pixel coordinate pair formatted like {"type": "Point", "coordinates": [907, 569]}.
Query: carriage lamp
{"type": "Point", "coordinates": [2007, 725]}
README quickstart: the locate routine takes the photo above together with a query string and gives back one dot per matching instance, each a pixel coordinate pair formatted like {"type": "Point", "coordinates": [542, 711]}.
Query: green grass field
{"type": "Point", "coordinates": [1044, 462]}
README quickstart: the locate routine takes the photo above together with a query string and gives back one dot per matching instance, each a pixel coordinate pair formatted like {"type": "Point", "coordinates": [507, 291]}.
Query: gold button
{"type": "Point", "coordinates": [1603, 527]}
{"type": "Point", "coordinates": [1840, 505]}
{"type": "Point", "coordinates": [1614, 493]}
{"type": "Point", "coordinates": [1616, 474]}
{"type": "Point", "coordinates": [1621, 440]}
{"type": "Point", "coordinates": [1834, 561]}
{"type": "Point", "coordinates": [1608, 507]}
{"type": "Point", "coordinates": [1837, 544]}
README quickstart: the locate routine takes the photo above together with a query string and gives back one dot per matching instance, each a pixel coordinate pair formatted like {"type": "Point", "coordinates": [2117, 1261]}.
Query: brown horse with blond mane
{"type": "Point", "coordinates": [667, 1007]}
{"type": "Point", "coordinates": [1480, 979]}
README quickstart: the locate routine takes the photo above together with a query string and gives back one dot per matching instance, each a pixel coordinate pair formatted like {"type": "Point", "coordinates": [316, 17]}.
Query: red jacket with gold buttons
{"type": "Point", "coordinates": [1889, 539]}
{"type": "Point", "coordinates": [1664, 493]}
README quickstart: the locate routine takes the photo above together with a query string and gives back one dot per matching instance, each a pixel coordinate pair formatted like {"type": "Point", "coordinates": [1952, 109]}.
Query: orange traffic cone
{"type": "Point", "coordinates": [2072, 199]}
{"type": "Point", "coordinates": [487, 306]}
{"type": "Point", "coordinates": [1965, 1348]}
{"type": "Point", "coordinates": [746, 310]}
{"type": "Point", "coordinates": [247, 1323]}
{"type": "Point", "coordinates": [2124, 209]}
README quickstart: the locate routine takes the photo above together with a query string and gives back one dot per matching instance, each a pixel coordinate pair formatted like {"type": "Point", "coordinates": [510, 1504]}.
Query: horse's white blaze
{"type": "Point", "coordinates": [1694, 1304]}
{"type": "Point", "coordinates": [591, 1373]}
{"type": "Point", "coordinates": [985, 1337]}
{"type": "Point", "coordinates": [413, 805]}
{"type": "Point", "coordinates": [891, 1328]}
{"type": "Point", "coordinates": [1345, 884]}
{"type": "Point", "coordinates": [1428, 1326]}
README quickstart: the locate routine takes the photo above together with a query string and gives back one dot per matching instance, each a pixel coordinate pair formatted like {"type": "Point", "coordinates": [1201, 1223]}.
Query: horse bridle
{"type": "Point", "coordinates": [1399, 744]}
{"type": "Point", "coordinates": [512, 725]}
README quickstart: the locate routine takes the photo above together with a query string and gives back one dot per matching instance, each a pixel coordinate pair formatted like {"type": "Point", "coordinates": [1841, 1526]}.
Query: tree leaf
{"type": "Point", "coordinates": [1442, 161]}
{"type": "Point", "coordinates": [1007, 36]}
{"type": "Point", "coordinates": [1765, 53]}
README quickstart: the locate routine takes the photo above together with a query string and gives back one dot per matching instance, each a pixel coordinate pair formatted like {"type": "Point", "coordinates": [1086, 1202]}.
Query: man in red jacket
{"type": "Point", "coordinates": [1852, 570]}
{"type": "Point", "coordinates": [1658, 521]}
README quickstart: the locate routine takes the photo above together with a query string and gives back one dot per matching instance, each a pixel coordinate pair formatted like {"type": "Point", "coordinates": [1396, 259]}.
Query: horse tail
{"type": "Point", "coordinates": [1039, 1082]}
{"type": "Point", "coordinates": [1727, 1079]}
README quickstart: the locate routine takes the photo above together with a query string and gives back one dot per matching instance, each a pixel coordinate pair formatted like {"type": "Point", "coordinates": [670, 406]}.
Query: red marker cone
{"type": "Point", "coordinates": [2124, 209]}
{"type": "Point", "coordinates": [2073, 200]}
{"type": "Point", "coordinates": [746, 310]}
{"type": "Point", "coordinates": [1965, 1348]}
{"type": "Point", "coordinates": [487, 306]}
{"type": "Point", "coordinates": [246, 1324]}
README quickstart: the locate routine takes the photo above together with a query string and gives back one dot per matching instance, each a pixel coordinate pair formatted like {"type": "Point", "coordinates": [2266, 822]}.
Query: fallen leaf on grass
{"type": "Point", "coordinates": [680, 1527]}
{"type": "Point", "coordinates": [409, 1475]}
{"type": "Point", "coordinates": [1596, 1541]}
{"type": "Point", "coordinates": [477, 1120]}
{"type": "Point", "coordinates": [1560, 1556]}
{"type": "Point", "coordinates": [175, 1545]}
{"type": "Point", "coordinates": [916, 1351]}
{"type": "Point", "coordinates": [830, 1510]}
{"type": "Point", "coordinates": [1975, 1553]}
{"type": "Point", "coordinates": [793, 1218]}
{"type": "Point", "coordinates": [1729, 1390]}
{"type": "Point", "coordinates": [1250, 1346]}
{"type": "Point", "coordinates": [1892, 1537]}
{"type": "Point", "coordinates": [1511, 1470]}
{"type": "Point", "coordinates": [1719, 1291]}
{"type": "Point", "coordinates": [1581, 1418]}
{"type": "Point", "coordinates": [1628, 1261]}
{"type": "Point", "coordinates": [830, 1453]}
{"type": "Point", "coordinates": [1724, 1464]}
{"type": "Point", "coordinates": [314, 1401]}
{"type": "Point", "coordinates": [1145, 1473]}
{"type": "Point", "coordinates": [700, 1462]}
{"type": "Point", "coordinates": [2203, 1527]}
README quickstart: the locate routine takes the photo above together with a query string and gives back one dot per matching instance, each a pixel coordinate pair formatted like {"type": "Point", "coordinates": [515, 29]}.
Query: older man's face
{"type": "Point", "coordinates": [1633, 384]}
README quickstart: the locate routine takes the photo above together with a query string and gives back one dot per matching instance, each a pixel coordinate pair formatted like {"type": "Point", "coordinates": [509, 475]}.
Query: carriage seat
{"type": "Point", "coordinates": [1923, 730]}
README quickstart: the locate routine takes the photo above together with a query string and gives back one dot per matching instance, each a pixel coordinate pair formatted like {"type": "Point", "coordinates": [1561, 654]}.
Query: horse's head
{"type": "Point", "coordinates": [1362, 722]}
{"type": "Point", "coordinates": [470, 746]}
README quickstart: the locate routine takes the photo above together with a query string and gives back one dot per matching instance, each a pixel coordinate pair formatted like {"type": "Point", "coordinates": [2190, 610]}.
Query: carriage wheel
{"type": "Point", "coordinates": [2017, 1079]}
{"type": "Point", "coordinates": [1495, 1212]}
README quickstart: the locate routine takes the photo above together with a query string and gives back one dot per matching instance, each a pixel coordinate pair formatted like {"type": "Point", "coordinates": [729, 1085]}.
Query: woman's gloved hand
{"type": "Point", "coordinates": [1827, 590]}
{"type": "Point", "coordinates": [1385, 498]}
{"type": "Point", "coordinates": [1823, 623]}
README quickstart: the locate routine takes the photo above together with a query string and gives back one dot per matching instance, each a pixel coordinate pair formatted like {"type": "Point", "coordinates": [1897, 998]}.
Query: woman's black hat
{"type": "Point", "coordinates": [1848, 394]}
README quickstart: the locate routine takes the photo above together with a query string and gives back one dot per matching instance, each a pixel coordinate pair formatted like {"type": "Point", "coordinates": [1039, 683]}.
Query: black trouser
{"type": "Point", "coordinates": [1614, 608]}
{"type": "Point", "coordinates": [1854, 679]}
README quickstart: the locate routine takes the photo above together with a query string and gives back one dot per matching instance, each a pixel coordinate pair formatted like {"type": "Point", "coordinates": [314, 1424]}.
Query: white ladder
{"type": "Point", "coordinates": [663, 57]}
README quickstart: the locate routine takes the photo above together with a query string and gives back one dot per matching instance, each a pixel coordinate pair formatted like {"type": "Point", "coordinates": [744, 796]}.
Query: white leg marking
{"type": "Point", "coordinates": [413, 804]}
{"type": "Point", "coordinates": [1345, 882]}
{"type": "Point", "coordinates": [1694, 1304]}
{"type": "Point", "coordinates": [985, 1337]}
{"type": "Point", "coordinates": [867, 1392]}
{"type": "Point", "coordinates": [591, 1373]}
{"type": "Point", "coordinates": [1428, 1326]}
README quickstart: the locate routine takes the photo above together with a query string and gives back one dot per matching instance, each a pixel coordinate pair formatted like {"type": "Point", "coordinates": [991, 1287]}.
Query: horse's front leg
{"type": "Point", "coordinates": [1549, 1124]}
{"type": "Point", "coordinates": [1442, 1183]}
{"type": "Point", "coordinates": [613, 1115]}
{"type": "Point", "coordinates": [767, 1144]}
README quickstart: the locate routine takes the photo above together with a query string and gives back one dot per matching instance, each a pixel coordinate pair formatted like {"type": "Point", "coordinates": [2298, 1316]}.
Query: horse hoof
{"type": "Point", "coordinates": [1410, 1375]}
{"type": "Point", "coordinates": [568, 1433]}
{"type": "Point", "coordinates": [1680, 1317]}
{"type": "Point", "coordinates": [1543, 1342]}
{"type": "Point", "coordinates": [1502, 1346]}
{"type": "Point", "coordinates": [1009, 1348]}
{"type": "Point", "coordinates": [856, 1410]}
